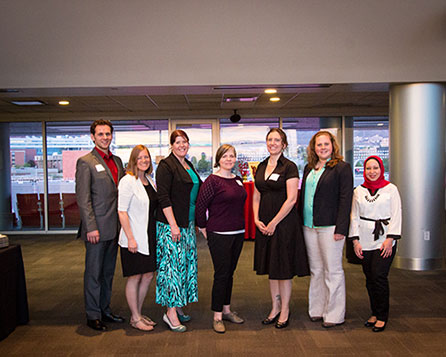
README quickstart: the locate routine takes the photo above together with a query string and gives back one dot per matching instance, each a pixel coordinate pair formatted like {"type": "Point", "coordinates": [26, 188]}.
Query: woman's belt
{"type": "Point", "coordinates": [379, 229]}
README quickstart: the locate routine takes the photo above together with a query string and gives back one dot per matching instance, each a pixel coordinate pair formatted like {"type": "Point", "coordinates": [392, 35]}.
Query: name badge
{"type": "Point", "coordinates": [274, 177]}
{"type": "Point", "coordinates": [99, 168]}
{"type": "Point", "coordinates": [239, 182]}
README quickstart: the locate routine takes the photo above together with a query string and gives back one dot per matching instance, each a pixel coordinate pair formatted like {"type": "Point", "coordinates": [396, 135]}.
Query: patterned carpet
{"type": "Point", "coordinates": [54, 269]}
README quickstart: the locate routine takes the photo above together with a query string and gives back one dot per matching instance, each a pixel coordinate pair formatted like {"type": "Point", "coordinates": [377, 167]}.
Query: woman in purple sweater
{"type": "Point", "coordinates": [223, 196]}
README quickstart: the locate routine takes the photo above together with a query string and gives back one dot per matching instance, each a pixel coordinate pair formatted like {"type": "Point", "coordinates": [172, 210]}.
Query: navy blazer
{"type": "Point", "coordinates": [174, 185]}
{"type": "Point", "coordinates": [333, 197]}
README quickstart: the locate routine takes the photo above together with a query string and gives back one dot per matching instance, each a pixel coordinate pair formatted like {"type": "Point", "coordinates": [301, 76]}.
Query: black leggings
{"type": "Point", "coordinates": [225, 251]}
{"type": "Point", "coordinates": [376, 269]}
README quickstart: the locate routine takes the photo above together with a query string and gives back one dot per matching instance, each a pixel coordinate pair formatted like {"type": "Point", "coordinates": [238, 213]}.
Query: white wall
{"type": "Point", "coordinates": [68, 43]}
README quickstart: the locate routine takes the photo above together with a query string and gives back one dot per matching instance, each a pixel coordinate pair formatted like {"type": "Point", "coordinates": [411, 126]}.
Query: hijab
{"type": "Point", "coordinates": [380, 182]}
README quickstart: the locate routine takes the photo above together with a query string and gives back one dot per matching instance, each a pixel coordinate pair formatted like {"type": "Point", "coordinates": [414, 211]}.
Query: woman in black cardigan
{"type": "Point", "coordinates": [176, 252]}
{"type": "Point", "coordinates": [325, 204]}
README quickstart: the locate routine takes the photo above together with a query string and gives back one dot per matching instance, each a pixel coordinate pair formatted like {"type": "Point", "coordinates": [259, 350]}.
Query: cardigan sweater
{"type": "Point", "coordinates": [224, 199]}
{"type": "Point", "coordinates": [174, 185]}
{"type": "Point", "coordinates": [133, 199]}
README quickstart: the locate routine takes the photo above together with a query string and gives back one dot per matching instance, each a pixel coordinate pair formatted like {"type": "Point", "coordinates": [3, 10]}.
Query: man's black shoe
{"type": "Point", "coordinates": [112, 318]}
{"type": "Point", "coordinates": [97, 325]}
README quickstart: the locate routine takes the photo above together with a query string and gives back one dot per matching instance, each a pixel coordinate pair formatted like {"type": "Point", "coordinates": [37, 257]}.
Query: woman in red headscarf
{"type": "Point", "coordinates": [374, 228]}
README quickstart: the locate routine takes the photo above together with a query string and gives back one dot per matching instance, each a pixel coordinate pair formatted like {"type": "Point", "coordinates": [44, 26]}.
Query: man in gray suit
{"type": "Point", "coordinates": [97, 177]}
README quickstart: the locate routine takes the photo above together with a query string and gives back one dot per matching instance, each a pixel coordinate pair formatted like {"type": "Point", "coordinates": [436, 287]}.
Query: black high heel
{"type": "Point", "coordinates": [283, 324]}
{"type": "Point", "coordinates": [269, 321]}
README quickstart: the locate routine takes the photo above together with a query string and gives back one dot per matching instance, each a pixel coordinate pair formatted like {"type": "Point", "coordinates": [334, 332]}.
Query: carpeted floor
{"type": "Point", "coordinates": [54, 269]}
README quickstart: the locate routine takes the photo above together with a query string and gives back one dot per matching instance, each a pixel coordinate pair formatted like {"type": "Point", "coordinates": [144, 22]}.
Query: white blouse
{"type": "Point", "coordinates": [384, 204]}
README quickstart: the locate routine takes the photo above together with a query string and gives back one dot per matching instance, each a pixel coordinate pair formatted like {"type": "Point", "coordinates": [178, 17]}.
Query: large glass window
{"type": "Point", "coordinates": [249, 140]}
{"type": "Point", "coordinates": [23, 202]}
{"type": "Point", "coordinates": [66, 142]}
{"type": "Point", "coordinates": [200, 149]}
{"type": "Point", "coordinates": [23, 205]}
{"type": "Point", "coordinates": [299, 132]}
{"type": "Point", "coordinates": [371, 137]}
{"type": "Point", "coordinates": [26, 191]}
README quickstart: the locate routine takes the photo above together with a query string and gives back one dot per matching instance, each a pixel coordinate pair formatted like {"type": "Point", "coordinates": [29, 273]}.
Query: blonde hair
{"type": "Point", "coordinates": [132, 168]}
{"type": "Point", "coordinates": [311, 151]}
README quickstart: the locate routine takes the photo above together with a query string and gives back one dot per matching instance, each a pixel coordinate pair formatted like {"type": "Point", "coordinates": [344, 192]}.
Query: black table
{"type": "Point", "coordinates": [13, 299]}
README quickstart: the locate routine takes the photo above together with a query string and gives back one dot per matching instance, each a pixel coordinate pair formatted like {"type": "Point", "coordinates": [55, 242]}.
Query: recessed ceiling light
{"type": "Point", "coordinates": [27, 102]}
{"type": "Point", "coordinates": [380, 124]}
{"type": "Point", "coordinates": [240, 99]}
{"type": "Point", "coordinates": [274, 99]}
{"type": "Point", "coordinates": [64, 102]}
{"type": "Point", "coordinates": [270, 91]}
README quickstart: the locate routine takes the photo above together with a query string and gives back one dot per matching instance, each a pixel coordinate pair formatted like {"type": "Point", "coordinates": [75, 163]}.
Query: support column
{"type": "Point", "coordinates": [347, 140]}
{"type": "Point", "coordinates": [347, 152]}
{"type": "Point", "coordinates": [6, 216]}
{"type": "Point", "coordinates": [344, 134]}
{"type": "Point", "coordinates": [417, 168]}
{"type": "Point", "coordinates": [333, 123]}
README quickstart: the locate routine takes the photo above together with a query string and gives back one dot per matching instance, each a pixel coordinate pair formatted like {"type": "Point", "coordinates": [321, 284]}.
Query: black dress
{"type": "Point", "coordinates": [137, 263]}
{"type": "Point", "coordinates": [282, 255]}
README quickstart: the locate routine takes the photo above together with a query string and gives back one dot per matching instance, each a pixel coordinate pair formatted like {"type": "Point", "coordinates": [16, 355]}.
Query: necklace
{"type": "Point", "coordinates": [372, 199]}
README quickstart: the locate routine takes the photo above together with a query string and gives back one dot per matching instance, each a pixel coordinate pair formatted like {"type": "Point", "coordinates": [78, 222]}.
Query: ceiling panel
{"type": "Point", "coordinates": [192, 101]}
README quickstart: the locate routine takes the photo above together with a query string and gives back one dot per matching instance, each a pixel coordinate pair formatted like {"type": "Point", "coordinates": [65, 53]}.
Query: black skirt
{"type": "Point", "coordinates": [137, 263]}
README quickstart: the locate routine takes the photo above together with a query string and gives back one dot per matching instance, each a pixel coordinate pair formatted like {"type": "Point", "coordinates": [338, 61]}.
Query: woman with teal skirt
{"type": "Point", "coordinates": [176, 250]}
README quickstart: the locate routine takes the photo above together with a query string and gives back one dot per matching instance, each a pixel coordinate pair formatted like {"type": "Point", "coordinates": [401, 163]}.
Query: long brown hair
{"type": "Point", "coordinates": [311, 152]}
{"type": "Point", "coordinates": [132, 168]}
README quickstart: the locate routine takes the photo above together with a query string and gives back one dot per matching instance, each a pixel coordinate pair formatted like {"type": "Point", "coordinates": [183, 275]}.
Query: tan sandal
{"type": "Point", "coordinates": [148, 321]}
{"type": "Point", "coordinates": [140, 325]}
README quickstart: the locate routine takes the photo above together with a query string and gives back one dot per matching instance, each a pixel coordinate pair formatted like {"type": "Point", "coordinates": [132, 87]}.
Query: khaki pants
{"type": "Point", "coordinates": [327, 285]}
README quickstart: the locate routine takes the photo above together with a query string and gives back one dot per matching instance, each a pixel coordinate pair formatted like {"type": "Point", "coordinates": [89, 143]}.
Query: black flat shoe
{"type": "Point", "coordinates": [97, 325]}
{"type": "Point", "coordinates": [369, 324]}
{"type": "Point", "coordinates": [315, 318]}
{"type": "Point", "coordinates": [283, 324]}
{"type": "Point", "coordinates": [379, 329]}
{"type": "Point", "coordinates": [269, 321]}
{"type": "Point", "coordinates": [112, 318]}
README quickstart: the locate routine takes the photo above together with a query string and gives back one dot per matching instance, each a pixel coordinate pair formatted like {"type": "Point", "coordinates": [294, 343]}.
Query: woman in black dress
{"type": "Point", "coordinates": [137, 203]}
{"type": "Point", "coordinates": [279, 245]}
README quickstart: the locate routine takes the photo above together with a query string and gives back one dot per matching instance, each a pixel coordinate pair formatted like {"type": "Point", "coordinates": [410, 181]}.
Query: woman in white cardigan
{"type": "Point", "coordinates": [137, 202]}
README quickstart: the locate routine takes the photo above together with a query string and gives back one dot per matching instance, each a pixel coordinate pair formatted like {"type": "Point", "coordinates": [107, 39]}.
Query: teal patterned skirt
{"type": "Point", "coordinates": [176, 281]}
